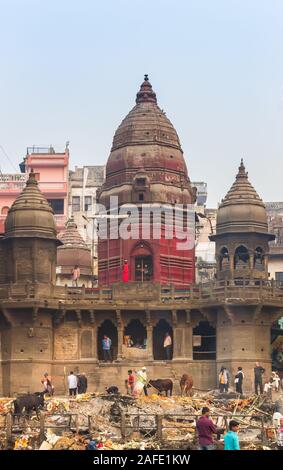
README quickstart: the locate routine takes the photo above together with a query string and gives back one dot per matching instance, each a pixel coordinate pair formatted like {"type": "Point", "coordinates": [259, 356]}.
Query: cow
{"type": "Point", "coordinates": [29, 402]}
{"type": "Point", "coordinates": [186, 385]}
{"type": "Point", "coordinates": [162, 385]}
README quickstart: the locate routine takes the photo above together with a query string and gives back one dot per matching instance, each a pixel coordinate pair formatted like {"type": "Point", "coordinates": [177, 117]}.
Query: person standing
{"type": "Point", "coordinates": [82, 383]}
{"type": "Point", "coordinates": [167, 345]}
{"type": "Point", "coordinates": [130, 382]}
{"type": "Point", "coordinates": [223, 380]}
{"type": "Point", "coordinates": [106, 348]}
{"type": "Point", "coordinates": [48, 387]}
{"type": "Point", "coordinates": [206, 428]}
{"type": "Point", "coordinates": [276, 380]}
{"type": "Point", "coordinates": [76, 272]}
{"type": "Point", "coordinates": [72, 384]}
{"type": "Point", "coordinates": [125, 273]}
{"type": "Point", "coordinates": [239, 380]}
{"type": "Point", "coordinates": [258, 373]}
{"type": "Point", "coordinates": [231, 439]}
{"type": "Point", "coordinates": [141, 382]}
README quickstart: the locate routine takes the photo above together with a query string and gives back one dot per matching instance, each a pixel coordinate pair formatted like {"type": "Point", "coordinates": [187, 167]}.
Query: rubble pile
{"type": "Point", "coordinates": [117, 422]}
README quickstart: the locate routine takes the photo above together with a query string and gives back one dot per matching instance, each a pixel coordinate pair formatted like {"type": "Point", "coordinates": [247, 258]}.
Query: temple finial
{"type": "Point", "coordinates": [146, 93]}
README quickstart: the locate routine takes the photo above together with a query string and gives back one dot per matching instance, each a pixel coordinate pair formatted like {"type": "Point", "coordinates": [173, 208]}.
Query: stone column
{"type": "Point", "coordinates": [94, 334]}
{"type": "Point", "coordinates": [231, 264]}
{"type": "Point", "coordinates": [178, 337]}
{"type": "Point", "coordinates": [120, 329]}
{"type": "Point", "coordinates": [188, 337]}
{"type": "Point", "coordinates": [149, 329]}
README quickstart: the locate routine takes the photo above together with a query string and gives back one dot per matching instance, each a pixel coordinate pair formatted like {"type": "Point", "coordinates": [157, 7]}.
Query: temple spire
{"type": "Point", "coordinates": [146, 93]}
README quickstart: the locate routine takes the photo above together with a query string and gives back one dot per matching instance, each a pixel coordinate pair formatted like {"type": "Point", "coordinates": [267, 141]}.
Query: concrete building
{"type": "Point", "coordinates": [275, 223]}
{"type": "Point", "coordinates": [84, 183]}
{"type": "Point", "coordinates": [205, 226]}
{"type": "Point", "coordinates": [51, 170]}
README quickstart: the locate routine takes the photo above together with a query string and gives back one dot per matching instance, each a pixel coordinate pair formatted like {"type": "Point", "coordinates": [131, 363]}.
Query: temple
{"type": "Point", "coordinates": [58, 328]}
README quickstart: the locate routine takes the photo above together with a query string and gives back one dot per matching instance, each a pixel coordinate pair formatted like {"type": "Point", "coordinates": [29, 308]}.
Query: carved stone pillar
{"type": "Point", "coordinates": [94, 334]}
{"type": "Point", "coordinates": [231, 265]}
{"type": "Point", "coordinates": [188, 337]}
{"type": "Point", "coordinates": [120, 331]}
{"type": "Point", "coordinates": [149, 329]}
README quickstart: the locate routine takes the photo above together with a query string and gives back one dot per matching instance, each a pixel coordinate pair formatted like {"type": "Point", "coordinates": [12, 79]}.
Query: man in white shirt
{"type": "Point", "coordinates": [168, 347]}
{"type": "Point", "coordinates": [72, 384]}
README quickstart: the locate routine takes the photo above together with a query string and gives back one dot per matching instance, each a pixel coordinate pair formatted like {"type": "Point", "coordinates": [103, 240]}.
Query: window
{"type": "Point", "coordinates": [88, 203]}
{"type": "Point", "coordinates": [57, 205]}
{"type": "Point", "coordinates": [76, 203]}
{"type": "Point", "coordinates": [4, 210]}
{"type": "Point", "coordinates": [141, 181]}
{"type": "Point", "coordinates": [140, 196]}
{"type": "Point", "coordinates": [279, 277]}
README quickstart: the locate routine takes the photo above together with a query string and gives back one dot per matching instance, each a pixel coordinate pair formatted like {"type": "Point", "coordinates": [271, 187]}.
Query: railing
{"type": "Point", "coordinates": [252, 290]}
{"type": "Point", "coordinates": [162, 426]}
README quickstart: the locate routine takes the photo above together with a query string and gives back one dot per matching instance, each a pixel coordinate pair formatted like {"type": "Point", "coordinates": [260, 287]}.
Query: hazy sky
{"type": "Point", "coordinates": [70, 71]}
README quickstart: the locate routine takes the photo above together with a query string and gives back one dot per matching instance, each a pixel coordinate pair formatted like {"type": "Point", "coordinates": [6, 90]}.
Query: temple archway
{"type": "Point", "coordinates": [259, 259]}
{"type": "Point", "coordinates": [224, 259]}
{"type": "Point", "coordinates": [135, 334]}
{"type": "Point", "coordinates": [159, 332]}
{"type": "Point", "coordinates": [204, 342]}
{"type": "Point", "coordinates": [142, 262]}
{"type": "Point", "coordinates": [109, 329]}
{"type": "Point", "coordinates": [241, 258]}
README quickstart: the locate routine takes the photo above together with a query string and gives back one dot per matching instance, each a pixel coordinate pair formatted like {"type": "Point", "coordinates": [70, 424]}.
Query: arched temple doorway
{"type": "Point", "coordinates": [109, 329]}
{"type": "Point", "coordinates": [135, 334]}
{"type": "Point", "coordinates": [159, 332]}
{"type": "Point", "coordinates": [204, 341]}
{"type": "Point", "coordinates": [142, 262]}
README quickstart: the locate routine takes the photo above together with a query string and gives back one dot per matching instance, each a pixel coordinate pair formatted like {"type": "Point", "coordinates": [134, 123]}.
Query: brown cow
{"type": "Point", "coordinates": [186, 385]}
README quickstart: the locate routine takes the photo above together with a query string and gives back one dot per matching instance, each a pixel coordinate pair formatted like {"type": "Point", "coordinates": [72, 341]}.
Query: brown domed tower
{"type": "Point", "coordinates": [73, 252]}
{"type": "Point", "coordinates": [242, 232]}
{"type": "Point", "coordinates": [30, 239]}
{"type": "Point", "coordinates": [146, 166]}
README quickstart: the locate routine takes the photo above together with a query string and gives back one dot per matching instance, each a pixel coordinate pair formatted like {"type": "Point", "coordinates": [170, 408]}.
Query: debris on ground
{"type": "Point", "coordinates": [94, 421]}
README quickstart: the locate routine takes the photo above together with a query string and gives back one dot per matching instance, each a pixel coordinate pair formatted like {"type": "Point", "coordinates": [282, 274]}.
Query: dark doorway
{"type": "Point", "coordinates": [143, 268]}
{"type": "Point", "coordinates": [159, 332]}
{"type": "Point", "coordinates": [136, 334]}
{"type": "Point", "coordinates": [107, 328]}
{"type": "Point", "coordinates": [277, 345]}
{"type": "Point", "coordinates": [204, 341]}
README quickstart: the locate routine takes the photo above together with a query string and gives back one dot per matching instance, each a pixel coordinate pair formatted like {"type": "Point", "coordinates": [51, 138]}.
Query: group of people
{"type": "Point", "coordinates": [206, 428]}
{"type": "Point", "coordinates": [107, 345]}
{"type": "Point", "coordinates": [77, 383]}
{"type": "Point", "coordinates": [273, 383]}
{"type": "Point", "coordinates": [136, 384]}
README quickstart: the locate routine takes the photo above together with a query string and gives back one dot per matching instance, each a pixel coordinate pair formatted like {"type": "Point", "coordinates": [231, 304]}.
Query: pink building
{"type": "Point", "coordinates": [52, 170]}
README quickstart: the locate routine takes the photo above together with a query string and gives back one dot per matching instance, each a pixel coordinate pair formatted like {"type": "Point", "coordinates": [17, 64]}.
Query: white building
{"type": "Point", "coordinates": [83, 185]}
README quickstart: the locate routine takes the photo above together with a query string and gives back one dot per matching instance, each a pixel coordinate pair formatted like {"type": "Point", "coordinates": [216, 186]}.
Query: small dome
{"type": "Point", "coordinates": [74, 250]}
{"type": "Point", "coordinates": [30, 215]}
{"type": "Point", "coordinates": [242, 210]}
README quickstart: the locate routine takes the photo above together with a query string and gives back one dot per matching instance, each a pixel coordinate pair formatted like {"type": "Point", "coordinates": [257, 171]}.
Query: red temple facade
{"type": "Point", "coordinates": [146, 166]}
